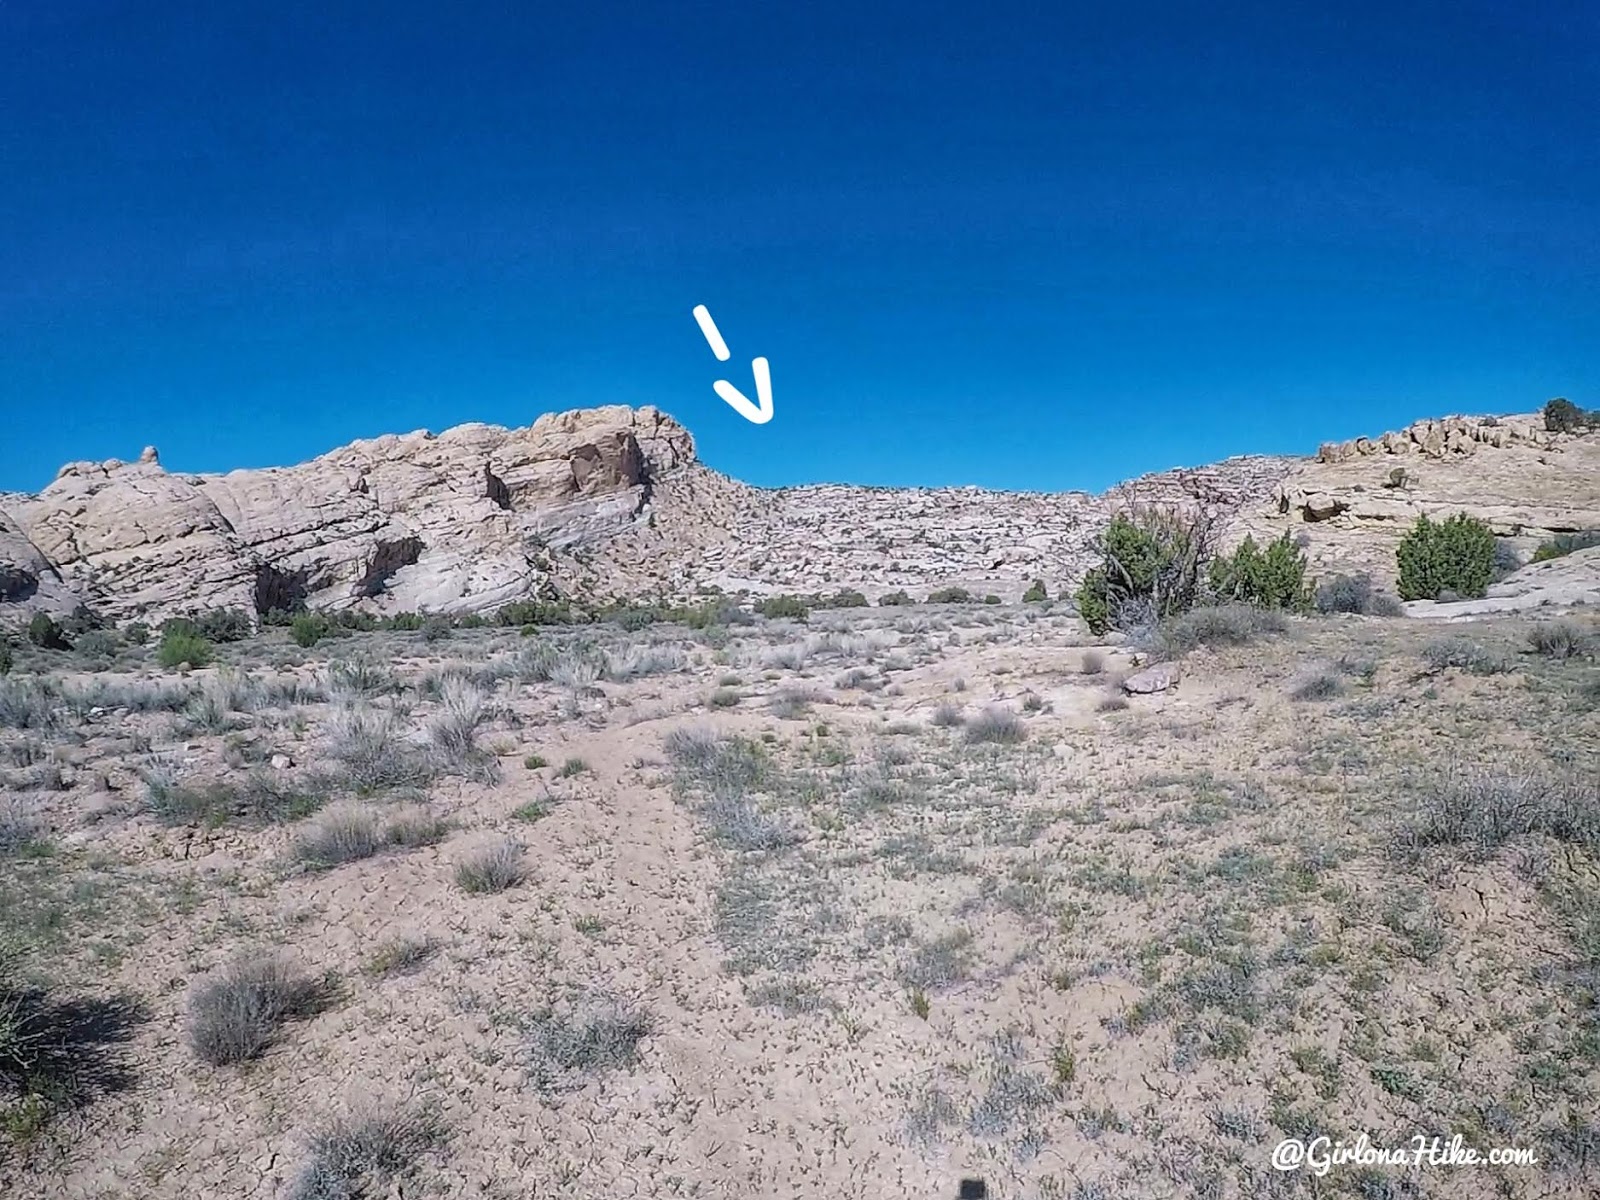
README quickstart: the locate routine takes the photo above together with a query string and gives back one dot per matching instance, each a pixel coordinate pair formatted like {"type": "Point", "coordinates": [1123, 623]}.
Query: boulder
{"type": "Point", "coordinates": [1154, 679]}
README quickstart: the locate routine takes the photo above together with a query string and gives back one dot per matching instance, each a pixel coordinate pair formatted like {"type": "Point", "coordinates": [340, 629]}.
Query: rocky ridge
{"type": "Point", "coordinates": [613, 503]}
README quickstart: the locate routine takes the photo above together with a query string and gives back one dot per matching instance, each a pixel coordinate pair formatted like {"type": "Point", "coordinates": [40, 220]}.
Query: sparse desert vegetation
{"type": "Point", "coordinates": [937, 889]}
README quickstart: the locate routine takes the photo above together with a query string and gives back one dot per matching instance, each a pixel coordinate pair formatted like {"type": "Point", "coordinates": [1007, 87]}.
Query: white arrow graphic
{"type": "Point", "coordinates": [759, 412]}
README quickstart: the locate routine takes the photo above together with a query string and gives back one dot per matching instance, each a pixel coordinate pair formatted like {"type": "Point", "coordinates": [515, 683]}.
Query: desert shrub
{"type": "Point", "coordinates": [57, 1053]}
{"type": "Point", "coordinates": [1455, 555]}
{"type": "Point", "coordinates": [1093, 663]}
{"type": "Point", "coordinates": [210, 803]}
{"type": "Point", "coordinates": [633, 617]}
{"type": "Point", "coordinates": [792, 703]}
{"type": "Point", "coordinates": [947, 716]}
{"type": "Point", "coordinates": [401, 954]}
{"type": "Point", "coordinates": [536, 612]}
{"type": "Point", "coordinates": [1111, 702]}
{"type": "Point", "coordinates": [723, 772]}
{"type": "Point", "coordinates": [6, 657]}
{"type": "Point", "coordinates": [1482, 808]}
{"type": "Point", "coordinates": [136, 633]}
{"type": "Point", "coordinates": [307, 629]}
{"type": "Point", "coordinates": [601, 1035]}
{"type": "Point", "coordinates": [1035, 593]}
{"type": "Point", "coordinates": [996, 725]}
{"type": "Point", "coordinates": [20, 829]}
{"type": "Point", "coordinates": [1219, 625]}
{"type": "Point", "coordinates": [351, 679]}
{"type": "Point", "coordinates": [991, 598]}
{"type": "Point", "coordinates": [638, 662]}
{"type": "Point", "coordinates": [453, 730]}
{"type": "Point", "coordinates": [784, 606]}
{"type": "Point", "coordinates": [350, 832]}
{"type": "Point", "coordinates": [1560, 639]}
{"type": "Point", "coordinates": [237, 1014]}
{"type": "Point", "coordinates": [1274, 577]}
{"type": "Point", "coordinates": [843, 598]}
{"type": "Point", "coordinates": [949, 595]}
{"type": "Point", "coordinates": [374, 752]}
{"type": "Point", "coordinates": [1563, 416]}
{"type": "Point", "coordinates": [224, 625]}
{"type": "Point", "coordinates": [180, 646]}
{"type": "Point", "coordinates": [405, 622]}
{"type": "Point", "coordinates": [894, 600]}
{"type": "Point", "coordinates": [363, 1154]}
{"type": "Point", "coordinates": [708, 615]}
{"type": "Point", "coordinates": [99, 644]}
{"type": "Point", "coordinates": [1318, 685]}
{"type": "Point", "coordinates": [492, 867]}
{"type": "Point", "coordinates": [46, 633]}
{"type": "Point", "coordinates": [1150, 567]}
{"type": "Point", "coordinates": [436, 629]}
{"type": "Point", "coordinates": [1355, 594]}
{"type": "Point", "coordinates": [1564, 544]}
{"type": "Point", "coordinates": [1465, 654]}
{"type": "Point", "coordinates": [725, 698]}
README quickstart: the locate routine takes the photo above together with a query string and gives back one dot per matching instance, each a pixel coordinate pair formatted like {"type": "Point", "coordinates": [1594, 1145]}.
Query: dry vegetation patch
{"type": "Point", "coordinates": [921, 895]}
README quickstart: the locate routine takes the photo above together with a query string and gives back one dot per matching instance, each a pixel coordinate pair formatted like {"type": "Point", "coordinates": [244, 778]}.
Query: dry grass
{"type": "Point", "coordinates": [237, 1014]}
{"type": "Point", "coordinates": [1083, 955]}
{"type": "Point", "coordinates": [489, 868]}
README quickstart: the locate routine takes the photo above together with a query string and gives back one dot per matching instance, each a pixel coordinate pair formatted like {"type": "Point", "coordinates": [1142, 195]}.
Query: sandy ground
{"type": "Point", "coordinates": [1123, 956]}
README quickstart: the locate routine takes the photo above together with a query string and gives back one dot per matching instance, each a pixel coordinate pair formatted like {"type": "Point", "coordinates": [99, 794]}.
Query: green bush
{"type": "Point", "coordinates": [1564, 544]}
{"type": "Point", "coordinates": [784, 606]}
{"type": "Point", "coordinates": [224, 625]}
{"type": "Point", "coordinates": [308, 629]}
{"type": "Point", "coordinates": [706, 615]}
{"type": "Point", "coordinates": [44, 632]}
{"type": "Point", "coordinates": [1035, 593]}
{"type": "Point", "coordinates": [950, 595]}
{"type": "Point", "coordinates": [403, 621]}
{"type": "Point", "coordinates": [180, 646]}
{"type": "Point", "coordinates": [530, 612]}
{"type": "Point", "coordinates": [1563, 416]}
{"type": "Point", "coordinates": [1271, 578]}
{"type": "Point", "coordinates": [894, 600]}
{"type": "Point", "coordinates": [1150, 565]}
{"type": "Point", "coordinates": [97, 643]}
{"type": "Point", "coordinates": [843, 598]}
{"type": "Point", "coordinates": [1455, 555]}
{"type": "Point", "coordinates": [991, 598]}
{"type": "Point", "coordinates": [136, 634]}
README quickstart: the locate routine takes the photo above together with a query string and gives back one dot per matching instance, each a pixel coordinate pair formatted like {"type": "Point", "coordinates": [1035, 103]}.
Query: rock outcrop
{"type": "Point", "coordinates": [1353, 503]}
{"type": "Point", "coordinates": [612, 503]}
{"type": "Point", "coordinates": [467, 519]}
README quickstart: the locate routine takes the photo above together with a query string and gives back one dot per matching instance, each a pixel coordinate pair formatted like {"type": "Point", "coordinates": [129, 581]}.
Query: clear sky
{"type": "Point", "coordinates": [1037, 246]}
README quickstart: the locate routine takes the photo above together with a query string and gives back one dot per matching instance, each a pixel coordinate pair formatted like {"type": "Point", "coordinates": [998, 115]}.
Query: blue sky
{"type": "Point", "coordinates": [1037, 246]}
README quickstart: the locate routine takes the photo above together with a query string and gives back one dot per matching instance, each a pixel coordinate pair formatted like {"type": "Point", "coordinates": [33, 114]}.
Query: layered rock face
{"type": "Point", "coordinates": [464, 520]}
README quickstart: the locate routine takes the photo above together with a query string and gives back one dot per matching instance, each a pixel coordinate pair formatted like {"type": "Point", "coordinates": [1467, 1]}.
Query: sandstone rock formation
{"type": "Point", "coordinates": [612, 503]}
{"type": "Point", "coordinates": [467, 519]}
{"type": "Point", "coordinates": [1352, 503]}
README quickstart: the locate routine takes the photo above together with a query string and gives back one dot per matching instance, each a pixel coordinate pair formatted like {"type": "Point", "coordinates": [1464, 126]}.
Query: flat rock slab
{"type": "Point", "coordinates": [1152, 679]}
